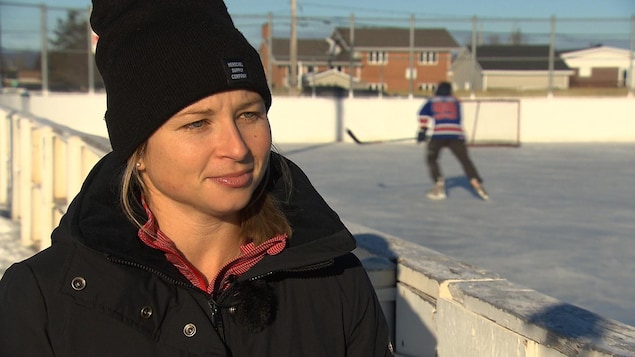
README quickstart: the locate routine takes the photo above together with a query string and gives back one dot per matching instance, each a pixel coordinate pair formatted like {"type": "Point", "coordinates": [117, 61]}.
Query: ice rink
{"type": "Point", "coordinates": [561, 218]}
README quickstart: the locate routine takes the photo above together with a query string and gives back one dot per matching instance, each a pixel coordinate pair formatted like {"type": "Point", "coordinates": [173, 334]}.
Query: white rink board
{"type": "Point", "coordinates": [323, 120]}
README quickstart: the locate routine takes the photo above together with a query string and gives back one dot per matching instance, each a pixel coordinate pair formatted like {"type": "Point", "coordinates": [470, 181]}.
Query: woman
{"type": "Point", "coordinates": [191, 237]}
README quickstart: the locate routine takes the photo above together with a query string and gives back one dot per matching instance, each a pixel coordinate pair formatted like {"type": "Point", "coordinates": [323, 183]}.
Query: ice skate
{"type": "Point", "coordinates": [438, 191]}
{"type": "Point", "coordinates": [480, 190]}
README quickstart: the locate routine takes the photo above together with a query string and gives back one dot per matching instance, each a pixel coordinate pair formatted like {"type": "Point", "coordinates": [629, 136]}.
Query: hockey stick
{"type": "Point", "coordinates": [360, 142]}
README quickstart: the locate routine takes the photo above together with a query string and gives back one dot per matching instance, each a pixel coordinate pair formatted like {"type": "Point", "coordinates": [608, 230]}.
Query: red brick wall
{"type": "Point", "coordinates": [393, 73]}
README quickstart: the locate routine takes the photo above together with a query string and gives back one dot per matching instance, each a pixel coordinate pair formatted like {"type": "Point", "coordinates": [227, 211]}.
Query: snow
{"type": "Point", "coordinates": [561, 218]}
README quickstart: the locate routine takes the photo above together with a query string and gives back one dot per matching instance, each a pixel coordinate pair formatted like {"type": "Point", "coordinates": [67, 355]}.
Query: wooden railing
{"type": "Point", "coordinates": [43, 167]}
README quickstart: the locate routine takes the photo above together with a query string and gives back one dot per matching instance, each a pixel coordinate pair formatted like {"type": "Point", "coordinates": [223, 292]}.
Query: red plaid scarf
{"type": "Point", "coordinates": [250, 254]}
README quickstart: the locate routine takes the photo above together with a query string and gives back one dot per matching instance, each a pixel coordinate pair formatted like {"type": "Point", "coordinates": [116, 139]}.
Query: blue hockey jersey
{"type": "Point", "coordinates": [445, 114]}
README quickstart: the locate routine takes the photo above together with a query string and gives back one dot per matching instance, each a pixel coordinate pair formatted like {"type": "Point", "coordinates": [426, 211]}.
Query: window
{"type": "Point", "coordinates": [377, 57]}
{"type": "Point", "coordinates": [378, 87]}
{"type": "Point", "coordinates": [428, 57]}
{"type": "Point", "coordinates": [428, 87]}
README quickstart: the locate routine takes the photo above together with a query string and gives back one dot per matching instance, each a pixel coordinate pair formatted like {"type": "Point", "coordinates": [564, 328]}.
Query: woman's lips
{"type": "Point", "coordinates": [235, 180]}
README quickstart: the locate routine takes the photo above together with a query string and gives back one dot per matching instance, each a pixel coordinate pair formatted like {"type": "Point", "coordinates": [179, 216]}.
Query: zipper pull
{"type": "Point", "coordinates": [217, 317]}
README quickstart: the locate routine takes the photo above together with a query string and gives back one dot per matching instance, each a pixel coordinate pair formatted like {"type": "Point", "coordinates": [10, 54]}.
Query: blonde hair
{"type": "Point", "coordinates": [262, 218]}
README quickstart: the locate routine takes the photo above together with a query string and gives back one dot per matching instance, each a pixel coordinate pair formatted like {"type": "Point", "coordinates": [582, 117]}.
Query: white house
{"type": "Point", "coordinates": [600, 66]}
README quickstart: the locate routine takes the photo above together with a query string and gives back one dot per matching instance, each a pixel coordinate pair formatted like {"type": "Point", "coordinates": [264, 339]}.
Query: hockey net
{"type": "Point", "coordinates": [491, 122]}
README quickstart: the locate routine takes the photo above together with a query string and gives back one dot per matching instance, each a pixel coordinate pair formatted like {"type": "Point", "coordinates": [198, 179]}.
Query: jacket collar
{"type": "Point", "coordinates": [96, 220]}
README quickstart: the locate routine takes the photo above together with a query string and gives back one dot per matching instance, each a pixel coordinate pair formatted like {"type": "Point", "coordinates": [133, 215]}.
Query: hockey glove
{"type": "Point", "coordinates": [421, 137]}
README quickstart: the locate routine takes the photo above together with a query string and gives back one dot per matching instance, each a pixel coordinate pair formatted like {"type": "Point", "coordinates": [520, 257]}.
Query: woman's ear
{"type": "Point", "coordinates": [138, 155]}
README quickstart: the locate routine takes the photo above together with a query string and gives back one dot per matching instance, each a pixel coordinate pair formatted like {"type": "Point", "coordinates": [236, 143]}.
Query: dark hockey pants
{"type": "Point", "coordinates": [459, 149]}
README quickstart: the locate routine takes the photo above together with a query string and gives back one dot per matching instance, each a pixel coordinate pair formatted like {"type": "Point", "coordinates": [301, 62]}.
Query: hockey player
{"type": "Point", "coordinates": [444, 110]}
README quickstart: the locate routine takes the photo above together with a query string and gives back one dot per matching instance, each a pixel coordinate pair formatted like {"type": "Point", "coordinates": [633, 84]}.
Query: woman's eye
{"type": "Point", "coordinates": [250, 115]}
{"type": "Point", "coordinates": [195, 125]}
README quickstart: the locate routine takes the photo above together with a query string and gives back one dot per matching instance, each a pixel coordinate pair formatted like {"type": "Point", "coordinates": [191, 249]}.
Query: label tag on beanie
{"type": "Point", "coordinates": [235, 70]}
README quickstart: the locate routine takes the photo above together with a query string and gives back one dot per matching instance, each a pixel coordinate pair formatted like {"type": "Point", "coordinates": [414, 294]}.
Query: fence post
{"type": "Point", "coordinates": [473, 59]}
{"type": "Point", "coordinates": [44, 43]}
{"type": "Point", "coordinates": [89, 51]}
{"type": "Point", "coordinates": [74, 169]}
{"type": "Point", "coordinates": [552, 46]}
{"type": "Point", "coordinates": [293, 52]}
{"type": "Point", "coordinates": [26, 190]}
{"type": "Point", "coordinates": [47, 204]}
{"type": "Point", "coordinates": [631, 73]}
{"type": "Point", "coordinates": [15, 167]}
{"type": "Point", "coordinates": [25, 102]}
{"type": "Point", "coordinates": [269, 39]}
{"type": "Point", "coordinates": [411, 55]}
{"type": "Point", "coordinates": [60, 173]}
{"type": "Point", "coordinates": [5, 158]}
{"type": "Point", "coordinates": [351, 57]}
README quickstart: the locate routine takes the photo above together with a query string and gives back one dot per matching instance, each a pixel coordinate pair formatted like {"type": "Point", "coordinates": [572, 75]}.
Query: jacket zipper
{"type": "Point", "coordinates": [215, 307]}
{"type": "Point", "coordinates": [217, 319]}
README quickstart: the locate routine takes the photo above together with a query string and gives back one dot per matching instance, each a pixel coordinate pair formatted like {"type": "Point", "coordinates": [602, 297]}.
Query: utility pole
{"type": "Point", "coordinates": [89, 52]}
{"type": "Point", "coordinates": [411, 58]}
{"type": "Point", "coordinates": [45, 52]}
{"type": "Point", "coordinates": [270, 52]}
{"type": "Point", "coordinates": [630, 78]}
{"type": "Point", "coordinates": [552, 56]}
{"type": "Point", "coordinates": [1, 56]}
{"type": "Point", "coordinates": [473, 59]}
{"type": "Point", "coordinates": [351, 57]}
{"type": "Point", "coordinates": [293, 51]}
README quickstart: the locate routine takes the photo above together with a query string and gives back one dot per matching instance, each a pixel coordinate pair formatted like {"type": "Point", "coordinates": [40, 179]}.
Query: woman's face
{"type": "Point", "coordinates": [210, 157]}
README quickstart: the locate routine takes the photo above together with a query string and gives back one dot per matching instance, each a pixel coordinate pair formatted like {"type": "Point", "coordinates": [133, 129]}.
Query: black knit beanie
{"type": "Point", "coordinates": [158, 56]}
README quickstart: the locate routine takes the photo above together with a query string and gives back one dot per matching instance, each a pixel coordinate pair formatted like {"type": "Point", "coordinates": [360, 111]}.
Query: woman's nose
{"type": "Point", "coordinates": [231, 142]}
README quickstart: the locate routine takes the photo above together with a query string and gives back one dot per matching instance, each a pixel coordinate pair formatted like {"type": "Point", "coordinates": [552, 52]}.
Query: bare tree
{"type": "Point", "coordinates": [494, 39]}
{"type": "Point", "coordinates": [516, 37]}
{"type": "Point", "coordinates": [68, 63]}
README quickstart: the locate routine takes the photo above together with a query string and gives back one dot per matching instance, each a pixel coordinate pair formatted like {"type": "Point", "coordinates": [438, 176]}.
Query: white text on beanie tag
{"type": "Point", "coordinates": [235, 70]}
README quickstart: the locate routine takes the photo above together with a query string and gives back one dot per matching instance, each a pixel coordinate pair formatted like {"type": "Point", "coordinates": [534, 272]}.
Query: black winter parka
{"type": "Point", "coordinates": [99, 291]}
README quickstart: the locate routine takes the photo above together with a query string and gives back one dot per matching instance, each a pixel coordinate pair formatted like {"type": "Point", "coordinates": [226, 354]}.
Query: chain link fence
{"type": "Point", "coordinates": [46, 48]}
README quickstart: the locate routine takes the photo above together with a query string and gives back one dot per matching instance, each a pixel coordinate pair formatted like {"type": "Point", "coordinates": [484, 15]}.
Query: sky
{"type": "Point", "coordinates": [459, 8]}
{"type": "Point", "coordinates": [604, 22]}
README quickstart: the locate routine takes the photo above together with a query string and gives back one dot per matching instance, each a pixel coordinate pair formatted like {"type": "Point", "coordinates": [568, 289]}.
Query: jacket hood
{"type": "Point", "coordinates": [95, 219]}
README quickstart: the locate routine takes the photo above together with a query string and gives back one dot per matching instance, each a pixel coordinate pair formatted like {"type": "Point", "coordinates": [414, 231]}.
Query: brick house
{"type": "Point", "coordinates": [380, 59]}
{"type": "Point", "coordinates": [313, 56]}
{"type": "Point", "coordinates": [385, 56]}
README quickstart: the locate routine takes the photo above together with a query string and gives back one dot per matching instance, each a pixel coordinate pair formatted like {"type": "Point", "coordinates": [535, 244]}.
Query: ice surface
{"type": "Point", "coordinates": [560, 220]}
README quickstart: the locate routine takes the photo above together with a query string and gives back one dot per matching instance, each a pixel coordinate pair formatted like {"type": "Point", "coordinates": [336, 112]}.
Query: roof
{"type": "Point", "coordinates": [308, 50]}
{"type": "Point", "coordinates": [600, 49]}
{"type": "Point", "coordinates": [517, 57]}
{"type": "Point", "coordinates": [333, 78]}
{"type": "Point", "coordinates": [390, 37]}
